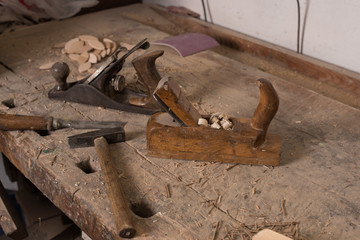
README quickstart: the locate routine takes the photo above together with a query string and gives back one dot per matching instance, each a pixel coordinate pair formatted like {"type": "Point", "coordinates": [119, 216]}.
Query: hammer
{"type": "Point", "coordinates": [114, 190]}
{"type": "Point", "coordinates": [101, 139]}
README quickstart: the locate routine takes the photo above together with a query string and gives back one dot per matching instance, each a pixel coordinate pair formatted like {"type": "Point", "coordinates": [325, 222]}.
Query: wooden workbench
{"type": "Point", "coordinates": [315, 189]}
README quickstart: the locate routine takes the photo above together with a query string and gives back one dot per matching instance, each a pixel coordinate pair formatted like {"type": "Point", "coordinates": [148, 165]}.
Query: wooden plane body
{"type": "Point", "coordinates": [201, 143]}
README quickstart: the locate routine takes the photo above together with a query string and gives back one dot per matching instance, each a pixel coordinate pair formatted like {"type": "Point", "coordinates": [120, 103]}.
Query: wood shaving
{"type": "Point", "coordinates": [87, 49]}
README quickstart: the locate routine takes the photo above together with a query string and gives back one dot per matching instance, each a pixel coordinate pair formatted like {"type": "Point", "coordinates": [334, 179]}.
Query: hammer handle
{"type": "Point", "coordinates": [114, 190]}
{"type": "Point", "coordinates": [21, 122]}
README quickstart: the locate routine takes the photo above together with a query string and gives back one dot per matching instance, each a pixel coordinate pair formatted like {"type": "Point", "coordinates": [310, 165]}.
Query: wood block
{"type": "Point", "coordinates": [268, 234]}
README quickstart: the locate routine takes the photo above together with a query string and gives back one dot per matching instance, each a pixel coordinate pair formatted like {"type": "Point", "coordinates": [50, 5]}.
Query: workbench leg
{"type": "Point", "coordinates": [10, 220]}
{"type": "Point", "coordinates": [10, 170]}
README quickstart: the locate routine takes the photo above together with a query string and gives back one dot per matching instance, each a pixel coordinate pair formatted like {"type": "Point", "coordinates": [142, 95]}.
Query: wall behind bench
{"type": "Point", "coordinates": [331, 33]}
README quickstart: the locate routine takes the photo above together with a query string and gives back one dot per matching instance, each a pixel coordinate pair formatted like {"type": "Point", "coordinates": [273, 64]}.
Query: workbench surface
{"type": "Point", "coordinates": [315, 189]}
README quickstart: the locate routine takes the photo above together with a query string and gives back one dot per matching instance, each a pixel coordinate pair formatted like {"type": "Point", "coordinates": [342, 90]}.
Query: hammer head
{"type": "Point", "coordinates": [112, 135]}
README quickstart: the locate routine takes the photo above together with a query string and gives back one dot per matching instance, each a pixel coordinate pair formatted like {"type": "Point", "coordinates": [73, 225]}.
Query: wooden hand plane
{"type": "Point", "coordinates": [106, 88]}
{"type": "Point", "coordinates": [246, 143]}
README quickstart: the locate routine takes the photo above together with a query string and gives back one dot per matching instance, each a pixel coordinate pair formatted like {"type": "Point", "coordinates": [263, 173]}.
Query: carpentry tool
{"type": "Point", "coordinates": [246, 143]}
{"type": "Point", "coordinates": [120, 209]}
{"type": "Point", "coordinates": [112, 135]}
{"type": "Point", "coordinates": [106, 87]}
{"type": "Point", "coordinates": [22, 122]}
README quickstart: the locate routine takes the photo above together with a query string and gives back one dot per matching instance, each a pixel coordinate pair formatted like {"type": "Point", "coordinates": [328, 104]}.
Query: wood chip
{"type": "Point", "coordinates": [79, 58]}
{"type": "Point", "coordinates": [85, 55]}
{"type": "Point", "coordinates": [168, 193]}
{"type": "Point", "coordinates": [96, 44]}
{"type": "Point", "coordinates": [93, 58]}
{"type": "Point", "coordinates": [74, 57]}
{"type": "Point", "coordinates": [69, 43]}
{"type": "Point", "coordinates": [218, 201]}
{"type": "Point", "coordinates": [84, 67]}
{"type": "Point", "coordinates": [88, 38]}
{"type": "Point", "coordinates": [82, 59]}
{"type": "Point", "coordinates": [76, 47]}
{"type": "Point", "coordinates": [107, 40]}
{"type": "Point", "coordinates": [46, 66]}
{"type": "Point", "coordinates": [283, 209]}
{"type": "Point", "coordinates": [97, 53]}
{"type": "Point", "coordinates": [216, 230]}
{"type": "Point", "coordinates": [108, 43]}
{"type": "Point", "coordinates": [253, 190]}
{"type": "Point", "coordinates": [113, 49]}
{"type": "Point", "coordinates": [85, 48]}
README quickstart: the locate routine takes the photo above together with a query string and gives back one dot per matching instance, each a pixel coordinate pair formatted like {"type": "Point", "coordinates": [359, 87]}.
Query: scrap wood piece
{"type": "Point", "coordinates": [10, 220]}
{"type": "Point", "coordinates": [188, 43]}
{"type": "Point", "coordinates": [247, 232]}
{"type": "Point", "coordinates": [268, 234]}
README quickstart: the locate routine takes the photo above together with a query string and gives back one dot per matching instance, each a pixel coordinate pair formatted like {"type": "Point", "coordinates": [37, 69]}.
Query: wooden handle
{"type": "Point", "coordinates": [148, 74]}
{"type": "Point", "coordinates": [265, 111]}
{"type": "Point", "coordinates": [60, 72]}
{"type": "Point", "coordinates": [146, 69]}
{"type": "Point", "coordinates": [21, 122]}
{"type": "Point", "coordinates": [114, 190]}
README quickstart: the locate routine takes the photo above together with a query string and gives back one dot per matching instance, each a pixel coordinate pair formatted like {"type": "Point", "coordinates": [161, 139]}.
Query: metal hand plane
{"type": "Point", "coordinates": [106, 88]}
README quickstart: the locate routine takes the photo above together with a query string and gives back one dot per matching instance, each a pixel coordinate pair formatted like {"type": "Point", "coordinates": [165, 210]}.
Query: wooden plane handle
{"type": "Point", "coordinates": [146, 69]}
{"type": "Point", "coordinates": [21, 122]}
{"type": "Point", "coordinates": [115, 193]}
{"type": "Point", "coordinates": [265, 111]}
{"type": "Point", "coordinates": [60, 71]}
{"type": "Point", "coordinates": [148, 74]}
